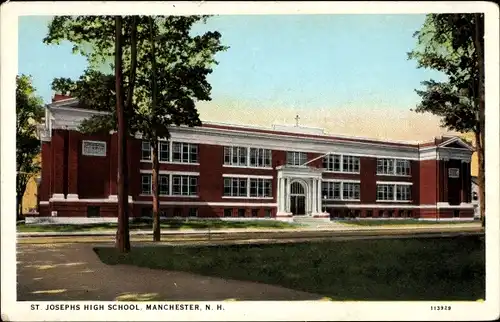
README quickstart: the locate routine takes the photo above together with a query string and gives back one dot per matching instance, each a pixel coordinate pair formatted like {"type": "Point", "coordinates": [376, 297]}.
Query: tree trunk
{"type": "Point", "coordinates": [155, 192]}
{"type": "Point", "coordinates": [156, 202]}
{"type": "Point", "coordinates": [122, 235]}
{"type": "Point", "coordinates": [479, 45]}
{"type": "Point", "coordinates": [133, 64]}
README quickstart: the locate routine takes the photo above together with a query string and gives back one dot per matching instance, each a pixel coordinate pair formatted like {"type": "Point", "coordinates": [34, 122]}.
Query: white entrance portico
{"type": "Point", "coordinates": [299, 191]}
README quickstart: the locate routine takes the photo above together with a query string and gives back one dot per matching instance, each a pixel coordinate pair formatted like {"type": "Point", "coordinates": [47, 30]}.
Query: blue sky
{"type": "Point", "coordinates": [303, 61]}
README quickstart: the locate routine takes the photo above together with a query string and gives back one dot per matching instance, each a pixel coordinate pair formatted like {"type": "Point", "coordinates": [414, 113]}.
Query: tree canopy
{"type": "Point", "coordinates": [446, 44]}
{"type": "Point", "coordinates": [29, 110]}
{"type": "Point", "coordinates": [183, 62]}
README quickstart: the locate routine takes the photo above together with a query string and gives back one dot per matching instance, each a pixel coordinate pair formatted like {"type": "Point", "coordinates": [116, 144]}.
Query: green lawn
{"type": "Point", "coordinates": [380, 222]}
{"type": "Point", "coordinates": [395, 269]}
{"type": "Point", "coordinates": [172, 224]}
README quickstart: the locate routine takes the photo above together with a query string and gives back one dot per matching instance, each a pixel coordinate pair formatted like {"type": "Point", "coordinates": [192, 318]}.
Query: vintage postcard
{"type": "Point", "coordinates": [252, 161]}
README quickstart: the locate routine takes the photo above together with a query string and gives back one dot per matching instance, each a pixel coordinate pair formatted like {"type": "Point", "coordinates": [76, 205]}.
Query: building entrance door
{"type": "Point", "coordinates": [297, 199]}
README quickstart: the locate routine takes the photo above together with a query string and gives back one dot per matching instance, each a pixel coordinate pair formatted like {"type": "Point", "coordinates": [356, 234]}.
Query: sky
{"type": "Point", "coordinates": [348, 74]}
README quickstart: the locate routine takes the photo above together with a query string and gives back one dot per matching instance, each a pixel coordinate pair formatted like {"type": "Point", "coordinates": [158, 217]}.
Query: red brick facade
{"type": "Point", "coordinates": [77, 185]}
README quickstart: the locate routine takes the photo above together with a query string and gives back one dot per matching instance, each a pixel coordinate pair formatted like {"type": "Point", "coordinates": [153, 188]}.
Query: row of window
{"type": "Point", "coordinates": [187, 185]}
{"type": "Point", "coordinates": [258, 157]}
{"type": "Point", "coordinates": [171, 185]}
{"type": "Point", "coordinates": [396, 192]}
{"type": "Point", "coordinates": [341, 190]}
{"type": "Point", "coordinates": [171, 152]}
{"type": "Point", "coordinates": [341, 163]}
{"type": "Point", "coordinates": [193, 212]}
{"type": "Point", "coordinates": [247, 187]}
{"type": "Point", "coordinates": [253, 157]}
{"type": "Point", "coordinates": [351, 191]}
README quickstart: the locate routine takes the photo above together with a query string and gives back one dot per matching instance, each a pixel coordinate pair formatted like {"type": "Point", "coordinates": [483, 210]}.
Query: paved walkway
{"type": "Point", "coordinates": [74, 272]}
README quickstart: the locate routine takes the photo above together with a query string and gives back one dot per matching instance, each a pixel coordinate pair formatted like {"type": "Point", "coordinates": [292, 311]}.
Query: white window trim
{"type": "Point", "coordinates": [170, 153]}
{"type": "Point", "coordinates": [342, 164]}
{"type": "Point", "coordinates": [170, 183]}
{"type": "Point", "coordinates": [247, 177]}
{"type": "Point", "coordinates": [295, 153]}
{"type": "Point", "coordinates": [341, 189]}
{"type": "Point", "coordinates": [94, 154]}
{"type": "Point", "coordinates": [393, 174]}
{"type": "Point", "coordinates": [394, 184]}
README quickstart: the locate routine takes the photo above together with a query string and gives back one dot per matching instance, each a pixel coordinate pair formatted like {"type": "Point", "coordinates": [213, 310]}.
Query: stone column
{"type": "Point", "coordinates": [314, 198]}
{"type": "Point", "coordinates": [319, 196]}
{"type": "Point", "coordinates": [287, 196]}
{"type": "Point", "coordinates": [280, 194]}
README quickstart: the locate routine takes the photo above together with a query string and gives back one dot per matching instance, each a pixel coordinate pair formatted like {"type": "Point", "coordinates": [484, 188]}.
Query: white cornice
{"type": "Point", "coordinates": [70, 118]}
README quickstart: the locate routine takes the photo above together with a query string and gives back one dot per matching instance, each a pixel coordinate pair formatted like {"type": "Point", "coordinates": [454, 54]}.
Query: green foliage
{"type": "Point", "coordinates": [29, 110]}
{"type": "Point", "coordinates": [183, 62]}
{"type": "Point", "coordinates": [446, 44]}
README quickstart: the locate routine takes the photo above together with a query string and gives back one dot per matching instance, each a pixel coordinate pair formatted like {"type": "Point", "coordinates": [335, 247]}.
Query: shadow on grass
{"type": "Point", "coordinates": [389, 270]}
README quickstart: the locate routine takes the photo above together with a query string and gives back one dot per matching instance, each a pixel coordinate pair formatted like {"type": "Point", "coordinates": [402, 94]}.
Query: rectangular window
{"type": "Point", "coordinates": [385, 192]}
{"type": "Point", "coordinates": [403, 192]}
{"type": "Point", "coordinates": [241, 212]}
{"type": "Point", "coordinates": [255, 212]}
{"type": "Point", "coordinates": [183, 185]}
{"type": "Point", "coordinates": [394, 167]}
{"type": "Point", "coordinates": [146, 181]}
{"type": "Point", "coordinates": [228, 212]}
{"type": "Point", "coordinates": [350, 164]}
{"type": "Point", "coordinates": [267, 213]}
{"type": "Point", "coordinates": [184, 152]}
{"type": "Point", "coordinates": [369, 213]}
{"type": "Point", "coordinates": [163, 151]}
{"type": "Point", "coordinates": [260, 187]}
{"type": "Point", "coordinates": [260, 158]}
{"type": "Point", "coordinates": [146, 150]}
{"type": "Point", "coordinates": [193, 212]}
{"type": "Point", "coordinates": [146, 212]}
{"type": "Point", "coordinates": [296, 158]}
{"type": "Point", "coordinates": [94, 148]}
{"type": "Point", "coordinates": [235, 187]}
{"type": "Point", "coordinates": [341, 163]}
{"type": "Point", "coordinates": [236, 156]}
{"type": "Point", "coordinates": [351, 191]}
{"type": "Point", "coordinates": [177, 212]}
{"type": "Point", "coordinates": [385, 166]}
{"type": "Point", "coordinates": [396, 192]}
{"type": "Point", "coordinates": [332, 162]}
{"type": "Point", "coordinates": [341, 190]}
{"type": "Point", "coordinates": [93, 211]}
{"type": "Point", "coordinates": [163, 185]}
{"type": "Point", "coordinates": [403, 167]}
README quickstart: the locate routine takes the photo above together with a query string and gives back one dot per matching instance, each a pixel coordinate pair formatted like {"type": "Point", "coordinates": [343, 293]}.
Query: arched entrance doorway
{"type": "Point", "coordinates": [297, 198]}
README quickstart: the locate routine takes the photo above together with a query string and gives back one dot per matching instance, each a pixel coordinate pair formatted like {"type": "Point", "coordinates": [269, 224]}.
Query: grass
{"type": "Point", "coordinates": [394, 269]}
{"type": "Point", "coordinates": [380, 222]}
{"type": "Point", "coordinates": [171, 224]}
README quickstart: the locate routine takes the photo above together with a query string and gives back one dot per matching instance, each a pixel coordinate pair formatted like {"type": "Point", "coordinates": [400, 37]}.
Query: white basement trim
{"type": "Point", "coordinates": [204, 203]}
